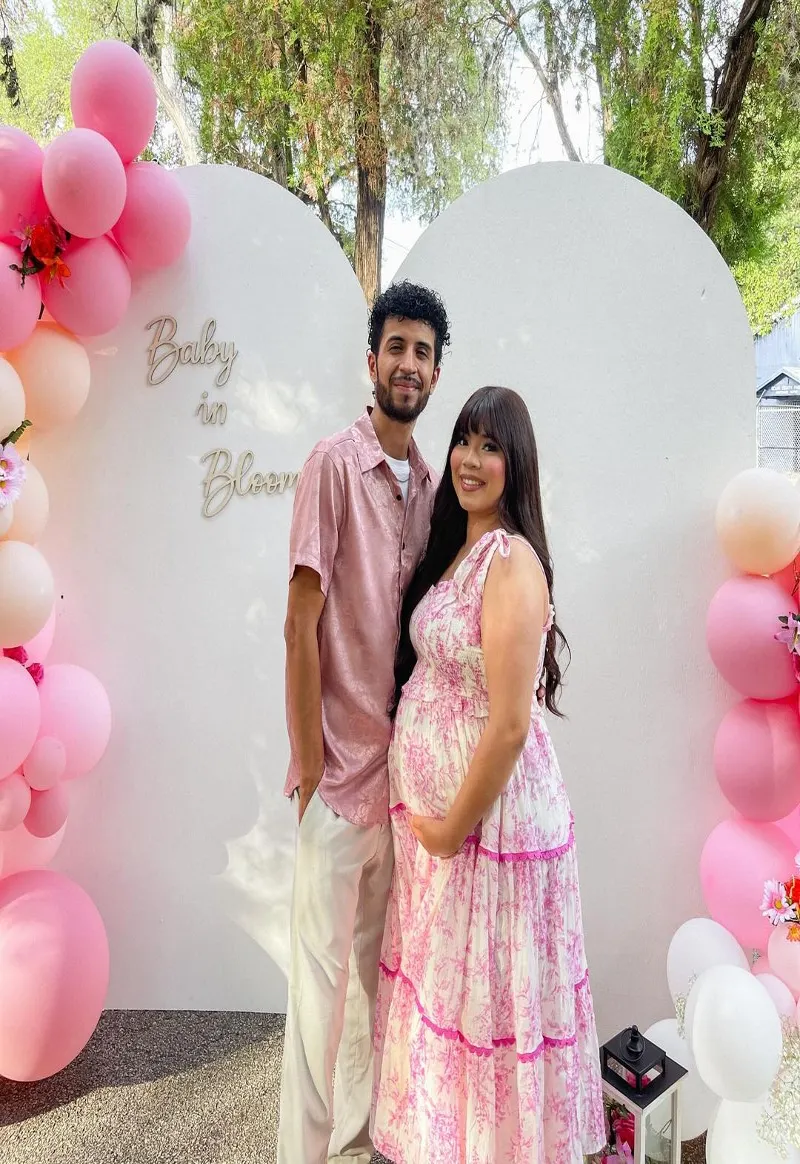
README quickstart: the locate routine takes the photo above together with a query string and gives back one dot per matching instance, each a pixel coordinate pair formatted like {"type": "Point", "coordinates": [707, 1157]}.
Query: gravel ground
{"type": "Point", "coordinates": [160, 1087]}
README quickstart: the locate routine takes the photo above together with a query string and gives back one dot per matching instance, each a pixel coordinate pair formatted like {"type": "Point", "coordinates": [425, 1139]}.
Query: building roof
{"type": "Point", "coordinates": [789, 372]}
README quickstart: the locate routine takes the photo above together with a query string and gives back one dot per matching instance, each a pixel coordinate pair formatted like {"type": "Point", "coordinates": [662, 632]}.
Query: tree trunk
{"type": "Point", "coordinates": [371, 159]}
{"type": "Point", "coordinates": [162, 61]}
{"type": "Point", "coordinates": [711, 164]}
{"type": "Point", "coordinates": [547, 76]}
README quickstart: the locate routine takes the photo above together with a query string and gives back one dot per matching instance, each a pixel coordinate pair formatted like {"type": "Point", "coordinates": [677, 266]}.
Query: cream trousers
{"type": "Point", "coordinates": [341, 887]}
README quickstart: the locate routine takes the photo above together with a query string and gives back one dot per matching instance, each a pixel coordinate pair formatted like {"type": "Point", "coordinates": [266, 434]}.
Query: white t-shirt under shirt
{"type": "Point", "coordinates": [402, 471]}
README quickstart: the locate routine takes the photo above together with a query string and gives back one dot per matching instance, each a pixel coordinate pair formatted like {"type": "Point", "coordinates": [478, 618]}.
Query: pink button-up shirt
{"type": "Point", "coordinates": [351, 525]}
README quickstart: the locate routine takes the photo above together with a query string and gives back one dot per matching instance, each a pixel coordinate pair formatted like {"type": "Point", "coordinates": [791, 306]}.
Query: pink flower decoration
{"type": "Point", "coordinates": [12, 475]}
{"type": "Point", "coordinates": [625, 1132]}
{"type": "Point", "coordinates": [18, 654]}
{"type": "Point", "coordinates": [36, 672]}
{"type": "Point", "coordinates": [789, 634]}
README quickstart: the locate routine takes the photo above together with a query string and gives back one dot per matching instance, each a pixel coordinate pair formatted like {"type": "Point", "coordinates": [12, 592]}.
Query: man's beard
{"type": "Point", "coordinates": [404, 412]}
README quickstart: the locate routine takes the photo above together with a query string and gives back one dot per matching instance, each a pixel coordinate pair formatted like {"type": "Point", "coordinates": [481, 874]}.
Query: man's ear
{"type": "Point", "coordinates": [372, 364]}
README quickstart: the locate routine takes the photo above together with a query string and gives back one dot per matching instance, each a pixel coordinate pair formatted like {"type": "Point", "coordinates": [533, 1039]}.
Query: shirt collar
{"type": "Point", "coordinates": [370, 454]}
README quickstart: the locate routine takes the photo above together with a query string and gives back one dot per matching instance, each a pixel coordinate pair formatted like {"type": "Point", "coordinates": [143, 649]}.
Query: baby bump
{"type": "Point", "coordinates": [429, 756]}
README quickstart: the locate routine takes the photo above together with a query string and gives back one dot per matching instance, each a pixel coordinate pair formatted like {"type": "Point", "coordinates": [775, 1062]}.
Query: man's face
{"type": "Point", "coordinates": [404, 372]}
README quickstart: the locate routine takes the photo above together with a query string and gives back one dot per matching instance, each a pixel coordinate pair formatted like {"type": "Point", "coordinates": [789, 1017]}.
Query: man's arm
{"type": "Point", "coordinates": [303, 681]}
{"type": "Point", "coordinates": [318, 513]}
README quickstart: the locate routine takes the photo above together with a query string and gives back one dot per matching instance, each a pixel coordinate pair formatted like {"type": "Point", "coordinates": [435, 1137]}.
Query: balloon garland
{"type": "Point", "coordinates": [77, 219]}
{"type": "Point", "coordinates": [734, 977]}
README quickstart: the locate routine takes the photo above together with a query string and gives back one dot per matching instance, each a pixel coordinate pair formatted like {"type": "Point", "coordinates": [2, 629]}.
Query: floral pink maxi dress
{"type": "Point", "coordinates": [486, 1049]}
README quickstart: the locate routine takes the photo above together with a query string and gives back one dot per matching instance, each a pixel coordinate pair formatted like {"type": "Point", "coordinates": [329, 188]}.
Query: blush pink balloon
{"type": "Point", "coordinates": [155, 225]}
{"type": "Point", "coordinates": [761, 967]}
{"type": "Point", "coordinates": [75, 710]}
{"type": "Point", "coordinates": [15, 802]}
{"type": "Point", "coordinates": [44, 765]}
{"type": "Point", "coordinates": [20, 715]}
{"type": "Point", "coordinates": [12, 399]}
{"type": "Point", "coordinates": [740, 631]}
{"type": "Point", "coordinates": [113, 92]}
{"type": "Point", "coordinates": [738, 857]}
{"type": "Point", "coordinates": [26, 592]}
{"type": "Point", "coordinates": [757, 759]}
{"type": "Point", "coordinates": [96, 296]}
{"type": "Point", "coordinates": [20, 178]}
{"type": "Point", "coordinates": [31, 509]}
{"type": "Point", "coordinates": [84, 182]}
{"type": "Point", "coordinates": [19, 850]}
{"type": "Point", "coordinates": [54, 970]}
{"type": "Point", "coordinates": [55, 372]}
{"type": "Point", "coordinates": [784, 956]}
{"type": "Point", "coordinates": [19, 306]}
{"type": "Point", "coordinates": [48, 811]}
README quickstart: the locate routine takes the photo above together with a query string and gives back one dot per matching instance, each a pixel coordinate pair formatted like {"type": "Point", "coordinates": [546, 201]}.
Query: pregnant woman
{"type": "Point", "coordinates": [485, 1035]}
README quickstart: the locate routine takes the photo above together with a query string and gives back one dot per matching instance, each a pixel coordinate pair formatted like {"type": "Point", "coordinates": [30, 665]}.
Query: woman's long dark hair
{"type": "Point", "coordinates": [502, 416]}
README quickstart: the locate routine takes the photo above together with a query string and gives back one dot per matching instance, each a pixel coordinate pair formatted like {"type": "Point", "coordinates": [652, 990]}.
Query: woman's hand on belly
{"type": "Point", "coordinates": [435, 836]}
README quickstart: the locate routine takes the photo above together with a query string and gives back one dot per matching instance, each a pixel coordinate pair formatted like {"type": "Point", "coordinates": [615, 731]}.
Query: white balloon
{"type": "Point", "coordinates": [733, 1137]}
{"type": "Point", "coordinates": [698, 1103]}
{"type": "Point", "coordinates": [780, 994]}
{"type": "Point", "coordinates": [734, 1033]}
{"type": "Point", "coordinates": [699, 944]}
{"type": "Point", "coordinates": [27, 593]}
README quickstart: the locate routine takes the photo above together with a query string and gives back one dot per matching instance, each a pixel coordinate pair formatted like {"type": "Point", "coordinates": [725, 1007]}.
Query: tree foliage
{"type": "Point", "coordinates": [699, 99]}
{"type": "Point", "coordinates": [339, 100]}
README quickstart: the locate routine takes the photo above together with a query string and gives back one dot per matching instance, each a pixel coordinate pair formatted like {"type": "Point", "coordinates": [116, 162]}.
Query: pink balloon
{"type": "Point", "coordinates": [75, 710]}
{"type": "Point", "coordinates": [791, 826]}
{"type": "Point", "coordinates": [19, 306]}
{"type": "Point", "coordinates": [96, 295]}
{"type": "Point", "coordinates": [20, 178]}
{"type": "Point", "coordinates": [784, 955]}
{"type": "Point", "coordinates": [48, 811]}
{"type": "Point", "coordinates": [44, 766]}
{"type": "Point", "coordinates": [738, 857]}
{"type": "Point", "coordinates": [15, 801]}
{"type": "Point", "coordinates": [155, 225]}
{"type": "Point", "coordinates": [740, 630]}
{"type": "Point", "coordinates": [112, 92]}
{"type": "Point", "coordinates": [54, 970]}
{"type": "Point", "coordinates": [19, 850]}
{"type": "Point", "coordinates": [757, 759]}
{"type": "Point", "coordinates": [762, 966]}
{"type": "Point", "coordinates": [38, 647]}
{"type": "Point", "coordinates": [19, 715]}
{"type": "Point", "coordinates": [84, 182]}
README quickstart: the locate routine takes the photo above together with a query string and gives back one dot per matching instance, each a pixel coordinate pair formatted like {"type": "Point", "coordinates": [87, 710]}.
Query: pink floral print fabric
{"type": "Point", "coordinates": [486, 1049]}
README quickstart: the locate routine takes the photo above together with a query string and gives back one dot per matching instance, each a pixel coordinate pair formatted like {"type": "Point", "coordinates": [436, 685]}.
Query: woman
{"type": "Point", "coordinates": [485, 1037]}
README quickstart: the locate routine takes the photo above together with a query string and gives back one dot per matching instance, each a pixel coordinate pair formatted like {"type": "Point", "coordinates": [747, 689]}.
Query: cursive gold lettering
{"type": "Point", "coordinates": [165, 353]}
{"type": "Point", "coordinates": [162, 355]}
{"type": "Point", "coordinates": [223, 479]}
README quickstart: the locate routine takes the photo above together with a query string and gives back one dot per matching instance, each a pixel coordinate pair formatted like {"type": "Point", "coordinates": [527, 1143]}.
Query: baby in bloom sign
{"type": "Point", "coordinates": [227, 475]}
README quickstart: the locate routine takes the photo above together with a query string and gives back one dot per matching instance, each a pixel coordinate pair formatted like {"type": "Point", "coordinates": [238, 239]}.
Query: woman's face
{"type": "Point", "coordinates": [479, 473]}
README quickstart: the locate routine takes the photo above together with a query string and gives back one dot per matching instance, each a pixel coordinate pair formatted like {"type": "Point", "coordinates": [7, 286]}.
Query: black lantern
{"type": "Point", "coordinates": [641, 1077]}
{"type": "Point", "coordinates": [631, 1058]}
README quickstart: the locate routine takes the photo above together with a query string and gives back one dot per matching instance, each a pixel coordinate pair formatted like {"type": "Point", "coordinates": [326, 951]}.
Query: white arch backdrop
{"type": "Point", "coordinates": [618, 321]}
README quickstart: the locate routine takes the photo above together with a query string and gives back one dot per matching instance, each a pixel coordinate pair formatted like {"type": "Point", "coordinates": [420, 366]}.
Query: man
{"type": "Point", "coordinates": [360, 524]}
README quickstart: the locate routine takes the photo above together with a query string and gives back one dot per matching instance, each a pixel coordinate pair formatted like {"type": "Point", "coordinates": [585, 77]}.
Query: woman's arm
{"type": "Point", "coordinates": [515, 603]}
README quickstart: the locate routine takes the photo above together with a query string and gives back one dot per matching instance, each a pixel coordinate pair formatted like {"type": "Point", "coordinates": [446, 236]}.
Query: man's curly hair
{"type": "Point", "coordinates": [410, 301]}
